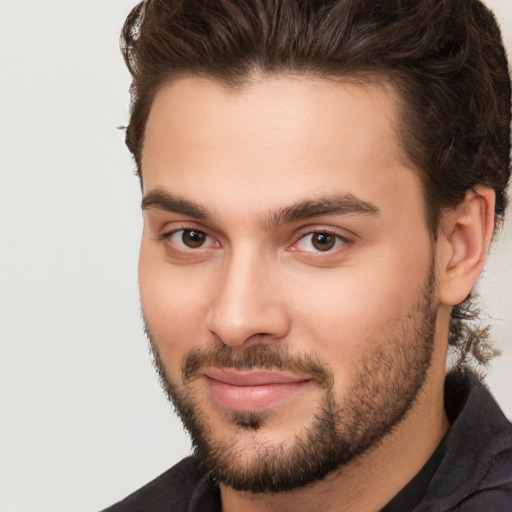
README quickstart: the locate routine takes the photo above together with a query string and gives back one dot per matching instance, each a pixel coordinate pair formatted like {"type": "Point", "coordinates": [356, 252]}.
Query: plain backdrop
{"type": "Point", "coordinates": [83, 420]}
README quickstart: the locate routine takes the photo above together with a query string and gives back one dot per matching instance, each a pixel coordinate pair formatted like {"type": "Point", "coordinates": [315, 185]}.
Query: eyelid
{"type": "Point", "coordinates": [214, 242]}
{"type": "Point", "coordinates": [308, 231]}
{"type": "Point", "coordinates": [173, 227]}
{"type": "Point", "coordinates": [167, 235]}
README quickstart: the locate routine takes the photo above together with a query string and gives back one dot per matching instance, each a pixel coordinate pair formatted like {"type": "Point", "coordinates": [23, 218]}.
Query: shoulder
{"type": "Point", "coordinates": [171, 490]}
{"type": "Point", "coordinates": [476, 471]}
{"type": "Point", "coordinates": [495, 490]}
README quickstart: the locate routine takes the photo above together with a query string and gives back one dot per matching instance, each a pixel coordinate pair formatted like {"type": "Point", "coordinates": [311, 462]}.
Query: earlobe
{"type": "Point", "coordinates": [463, 242]}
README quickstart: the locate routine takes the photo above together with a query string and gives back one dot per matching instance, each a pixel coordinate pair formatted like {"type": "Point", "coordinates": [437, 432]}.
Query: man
{"type": "Point", "coordinates": [321, 182]}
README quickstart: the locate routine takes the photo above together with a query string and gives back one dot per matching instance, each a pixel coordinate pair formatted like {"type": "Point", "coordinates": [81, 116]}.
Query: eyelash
{"type": "Point", "coordinates": [169, 235]}
{"type": "Point", "coordinates": [339, 240]}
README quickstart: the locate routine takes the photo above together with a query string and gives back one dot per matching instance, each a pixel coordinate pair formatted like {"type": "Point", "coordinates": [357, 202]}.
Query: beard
{"type": "Point", "coordinates": [383, 391]}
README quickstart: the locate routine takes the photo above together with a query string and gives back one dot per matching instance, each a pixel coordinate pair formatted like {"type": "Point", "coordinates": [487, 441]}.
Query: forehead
{"type": "Point", "coordinates": [275, 140]}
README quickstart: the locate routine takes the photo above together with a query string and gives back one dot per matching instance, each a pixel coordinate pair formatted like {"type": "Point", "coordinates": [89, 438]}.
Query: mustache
{"type": "Point", "coordinates": [262, 357]}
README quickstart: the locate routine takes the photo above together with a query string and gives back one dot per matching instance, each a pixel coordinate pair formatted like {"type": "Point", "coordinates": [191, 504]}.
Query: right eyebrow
{"type": "Point", "coordinates": [160, 200]}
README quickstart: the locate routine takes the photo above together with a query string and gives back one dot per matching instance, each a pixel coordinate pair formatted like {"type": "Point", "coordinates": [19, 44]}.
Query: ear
{"type": "Point", "coordinates": [463, 241]}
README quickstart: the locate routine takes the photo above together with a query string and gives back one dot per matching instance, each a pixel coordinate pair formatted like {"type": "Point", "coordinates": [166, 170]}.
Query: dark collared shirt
{"type": "Point", "coordinates": [470, 471]}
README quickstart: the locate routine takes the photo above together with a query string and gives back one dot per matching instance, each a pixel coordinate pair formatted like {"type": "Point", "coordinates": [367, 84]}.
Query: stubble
{"type": "Point", "coordinates": [383, 391]}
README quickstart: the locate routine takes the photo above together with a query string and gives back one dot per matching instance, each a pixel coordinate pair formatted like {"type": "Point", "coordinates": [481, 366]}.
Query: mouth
{"type": "Point", "coordinates": [253, 390]}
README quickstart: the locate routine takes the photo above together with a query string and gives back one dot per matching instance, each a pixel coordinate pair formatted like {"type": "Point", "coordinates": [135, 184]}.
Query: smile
{"type": "Point", "coordinates": [253, 390]}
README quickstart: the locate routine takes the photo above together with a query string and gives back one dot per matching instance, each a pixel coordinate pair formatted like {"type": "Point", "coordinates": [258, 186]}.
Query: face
{"type": "Point", "coordinates": [286, 273]}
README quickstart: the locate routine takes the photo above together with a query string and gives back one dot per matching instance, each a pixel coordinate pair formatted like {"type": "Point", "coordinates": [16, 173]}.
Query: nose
{"type": "Point", "coordinates": [247, 306]}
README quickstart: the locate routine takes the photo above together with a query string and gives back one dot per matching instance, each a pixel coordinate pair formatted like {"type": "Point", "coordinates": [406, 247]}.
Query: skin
{"type": "Point", "coordinates": [243, 157]}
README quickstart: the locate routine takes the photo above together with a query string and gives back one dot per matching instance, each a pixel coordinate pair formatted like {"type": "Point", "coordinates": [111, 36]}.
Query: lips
{"type": "Point", "coordinates": [254, 390]}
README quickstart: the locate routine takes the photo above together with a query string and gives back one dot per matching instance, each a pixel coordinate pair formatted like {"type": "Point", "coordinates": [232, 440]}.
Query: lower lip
{"type": "Point", "coordinates": [253, 398]}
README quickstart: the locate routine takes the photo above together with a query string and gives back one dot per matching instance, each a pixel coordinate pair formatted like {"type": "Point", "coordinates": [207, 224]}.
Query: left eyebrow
{"type": "Point", "coordinates": [343, 204]}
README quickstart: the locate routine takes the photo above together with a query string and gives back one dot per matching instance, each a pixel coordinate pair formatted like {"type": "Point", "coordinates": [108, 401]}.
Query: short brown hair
{"type": "Point", "coordinates": [444, 57]}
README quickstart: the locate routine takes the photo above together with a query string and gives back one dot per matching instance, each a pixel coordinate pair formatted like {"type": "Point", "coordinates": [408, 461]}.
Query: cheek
{"type": "Point", "coordinates": [173, 304]}
{"type": "Point", "coordinates": [347, 314]}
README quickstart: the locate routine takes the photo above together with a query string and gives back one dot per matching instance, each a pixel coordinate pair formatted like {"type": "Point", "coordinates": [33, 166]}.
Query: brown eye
{"type": "Point", "coordinates": [192, 238]}
{"type": "Point", "coordinates": [319, 241]}
{"type": "Point", "coordinates": [323, 241]}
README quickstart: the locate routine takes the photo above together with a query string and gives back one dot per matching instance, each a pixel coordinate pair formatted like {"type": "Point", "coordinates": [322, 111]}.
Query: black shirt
{"type": "Point", "coordinates": [470, 471]}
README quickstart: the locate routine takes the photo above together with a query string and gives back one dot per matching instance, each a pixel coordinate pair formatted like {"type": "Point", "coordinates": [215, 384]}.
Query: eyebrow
{"type": "Point", "coordinates": [160, 200]}
{"type": "Point", "coordinates": [340, 204]}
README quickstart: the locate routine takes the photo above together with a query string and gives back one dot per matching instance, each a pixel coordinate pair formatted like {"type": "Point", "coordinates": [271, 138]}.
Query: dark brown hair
{"type": "Point", "coordinates": [444, 57]}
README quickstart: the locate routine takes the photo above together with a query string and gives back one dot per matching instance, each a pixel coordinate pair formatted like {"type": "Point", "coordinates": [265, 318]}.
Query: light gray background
{"type": "Point", "coordinates": [83, 420]}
